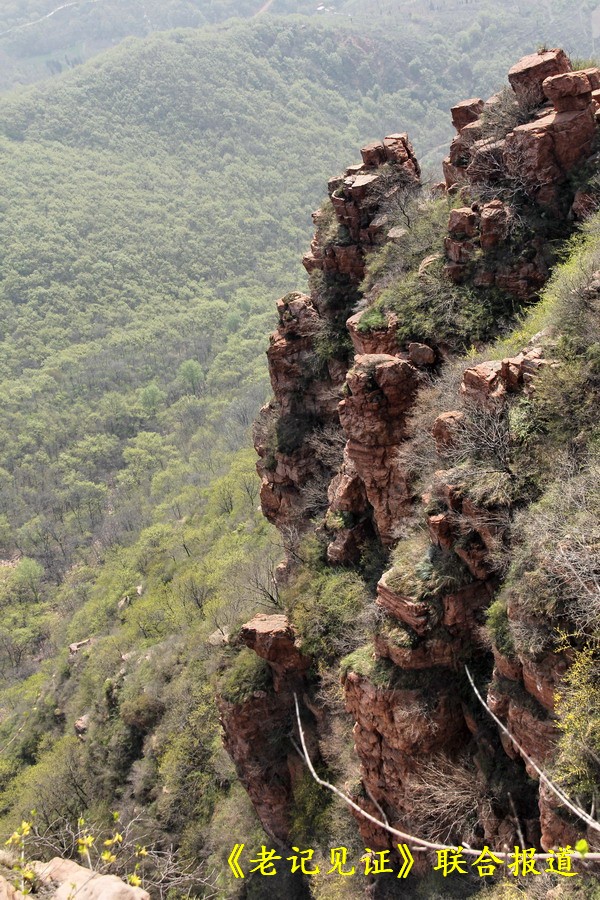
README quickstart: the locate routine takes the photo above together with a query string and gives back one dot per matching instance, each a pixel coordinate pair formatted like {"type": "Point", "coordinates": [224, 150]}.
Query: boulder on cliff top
{"type": "Point", "coordinates": [274, 639]}
{"type": "Point", "coordinates": [527, 76]}
{"type": "Point", "coordinates": [399, 150]}
{"type": "Point", "coordinates": [373, 154]}
{"type": "Point", "coordinates": [466, 111]}
{"type": "Point", "coordinates": [463, 221]}
{"type": "Point", "coordinates": [569, 84]}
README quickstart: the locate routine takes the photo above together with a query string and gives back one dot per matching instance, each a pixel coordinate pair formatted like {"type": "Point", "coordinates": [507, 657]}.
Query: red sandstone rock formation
{"type": "Point", "coordinates": [533, 160]}
{"type": "Point", "coordinates": [396, 729]}
{"type": "Point", "coordinates": [381, 390]}
{"type": "Point", "coordinates": [427, 638]}
{"type": "Point", "coordinates": [253, 729]}
{"type": "Point", "coordinates": [355, 197]}
{"type": "Point", "coordinates": [527, 76]}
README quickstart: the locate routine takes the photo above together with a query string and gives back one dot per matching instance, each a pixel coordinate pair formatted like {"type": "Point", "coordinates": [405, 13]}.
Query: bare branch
{"type": "Point", "coordinates": [418, 844]}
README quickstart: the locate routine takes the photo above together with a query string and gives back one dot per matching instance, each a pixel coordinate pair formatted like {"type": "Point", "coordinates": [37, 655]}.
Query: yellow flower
{"type": "Point", "coordinates": [134, 880]}
{"type": "Point", "coordinates": [141, 851]}
{"type": "Point", "coordinates": [108, 857]}
{"type": "Point", "coordinates": [25, 827]}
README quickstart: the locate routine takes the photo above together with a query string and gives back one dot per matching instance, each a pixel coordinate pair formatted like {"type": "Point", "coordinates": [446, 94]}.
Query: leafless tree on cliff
{"type": "Point", "coordinates": [327, 443]}
{"type": "Point", "coordinates": [395, 195]}
{"type": "Point", "coordinates": [447, 799]}
{"type": "Point", "coordinates": [498, 172]}
{"type": "Point", "coordinates": [482, 434]}
{"type": "Point", "coordinates": [565, 540]}
{"type": "Point", "coordinates": [420, 843]}
{"type": "Point", "coordinates": [257, 581]}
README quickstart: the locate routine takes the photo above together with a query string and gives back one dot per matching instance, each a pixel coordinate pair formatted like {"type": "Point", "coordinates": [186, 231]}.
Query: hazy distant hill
{"type": "Point", "coordinates": [39, 38]}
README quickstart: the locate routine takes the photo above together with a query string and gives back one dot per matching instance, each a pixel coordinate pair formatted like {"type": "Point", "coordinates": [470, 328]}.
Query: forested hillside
{"type": "Point", "coordinates": [154, 203]}
{"type": "Point", "coordinates": [474, 38]}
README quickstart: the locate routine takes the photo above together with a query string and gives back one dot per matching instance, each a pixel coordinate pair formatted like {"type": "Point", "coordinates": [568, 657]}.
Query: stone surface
{"type": "Point", "coordinates": [463, 222]}
{"type": "Point", "coordinates": [428, 653]}
{"type": "Point", "coordinates": [252, 728]}
{"type": "Point", "coordinates": [584, 204]}
{"type": "Point", "coordinates": [535, 735]}
{"type": "Point", "coordinates": [373, 154]}
{"type": "Point", "coordinates": [8, 892]}
{"type": "Point", "coordinates": [558, 830]}
{"type": "Point", "coordinates": [72, 879]}
{"type": "Point", "coordinates": [81, 726]}
{"type": "Point", "coordinates": [527, 76]}
{"type": "Point", "coordinates": [459, 251]}
{"type": "Point", "coordinates": [453, 174]}
{"type": "Point", "coordinates": [399, 150]}
{"type": "Point", "coordinates": [569, 84]}
{"type": "Point", "coordinates": [273, 638]}
{"type": "Point", "coordinates": [495, 217]}
{"type": "Point", "coordinates": [379, 340]}
{"type": "Point", "coordinates": [381, 390]}
{"type": "Point", "coordinates": [542, 678]}
{"type": "Point", "coordinates": [396, 731]}
{"type": "Point", "coordinates": [466, 111]}
{"type": "Point", "coordinates": [413, 613]}
{"type": "Point", "coordinates": [541, 153]}
{"type": "Point", "coordinates": [421, 355]}
{"type": "Point", "coordinates": [483, 382]}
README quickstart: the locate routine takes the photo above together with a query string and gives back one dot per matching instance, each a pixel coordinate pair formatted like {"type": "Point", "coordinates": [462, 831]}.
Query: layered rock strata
{"type": "Point", "coordinates": [306, 386]}
{"type": "Point", "coordinates": [531, 161]}
{"type": "Point", "coordinates": [256, 729]}
{"type": "Point", "coordinates": [411, 705]}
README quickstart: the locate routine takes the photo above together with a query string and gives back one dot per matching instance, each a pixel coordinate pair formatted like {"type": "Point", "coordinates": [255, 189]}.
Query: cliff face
{"type": "Point", "coordinates": [255, 729]}
{"type": "Point", "coordinates": [511, 193]}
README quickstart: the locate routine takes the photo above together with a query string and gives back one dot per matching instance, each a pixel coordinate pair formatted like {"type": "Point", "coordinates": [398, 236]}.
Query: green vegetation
{"type": "Point", "coordinates": [364, 662]}
{"type": "Point", "coordinates": [499, 627]}
{"type": "Point", "coordinates": [141, 254]}
{"type": "Point", "coordinates": [247, 673]}
{"type": "Point", "coordinates": [578, 711]}
{"type": "Point", "coordinates": [449, 49]}
{"type": "Point", "coordinates": [429, 307]}
{"type": "Point", "coordinates": [326, 606]}
{"type": "Point", "coordinates": [423, 571]}
{"type": "Point", "coordinates": [154, 202]}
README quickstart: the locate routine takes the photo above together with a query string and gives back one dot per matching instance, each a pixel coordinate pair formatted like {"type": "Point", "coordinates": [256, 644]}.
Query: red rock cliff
{"type": "Point", "coordinates": [410, 705]}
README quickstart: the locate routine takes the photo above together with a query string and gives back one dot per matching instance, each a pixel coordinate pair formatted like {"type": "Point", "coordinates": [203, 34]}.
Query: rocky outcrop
{"type": "Point", "coordinates": [396, 729]}
{"type": "Point", "coordinates": [304, 396]}
{"type": "Point", "coordinates": [412, 703]}
{"type": "Point", "coordinates": [380, 391]}
{"type": "Point", "coordinates": [256, 729]}
{"type": "Point", "coordinates": [527, 76]}
{"type": "Point", "coordinates": [356, 196]}
{"type": "Point", "coordinates": [530, 161]}
{"type": "Point", "coordinates": [307, 392]}
{"type": "Point", "coordinates": [373, 340]}
{"type": "Point", "coordinates": [273, 639]}
{"type": "Point", "coordinates": [62, 879]}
